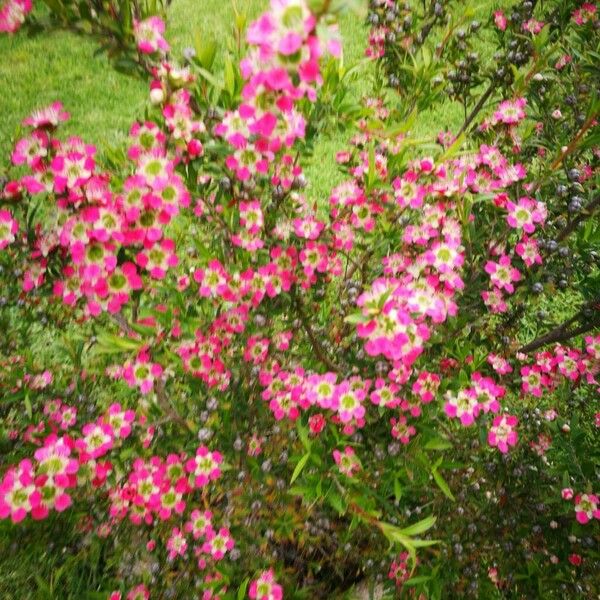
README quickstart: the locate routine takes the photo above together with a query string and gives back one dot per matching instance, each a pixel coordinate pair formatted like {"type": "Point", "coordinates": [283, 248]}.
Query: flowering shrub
{"type": "Point", "coordinates": [259, 392]}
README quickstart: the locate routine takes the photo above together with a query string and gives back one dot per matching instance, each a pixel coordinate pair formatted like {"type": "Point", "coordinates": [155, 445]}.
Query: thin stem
{"type": "Point", "coordinates": [316, 344]}
{"type": "Point", "coordinates": [564, 332]}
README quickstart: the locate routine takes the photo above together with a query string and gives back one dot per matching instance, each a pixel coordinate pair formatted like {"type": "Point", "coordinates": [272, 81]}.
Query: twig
{"type": "Point", "coordinates": [316, 344]}
{"type": "Point", "coordinates": [563, 332]}
{"type": "Point", "coordinates": [476, 109]}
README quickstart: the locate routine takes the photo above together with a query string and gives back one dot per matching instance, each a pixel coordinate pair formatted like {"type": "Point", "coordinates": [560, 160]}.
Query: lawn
{"type": "Point", "coordinates": [103, 102]}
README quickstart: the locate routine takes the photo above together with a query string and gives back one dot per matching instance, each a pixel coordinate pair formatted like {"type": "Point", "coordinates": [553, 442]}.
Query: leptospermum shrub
{"type": "Point", "coordinates": [259, 394]}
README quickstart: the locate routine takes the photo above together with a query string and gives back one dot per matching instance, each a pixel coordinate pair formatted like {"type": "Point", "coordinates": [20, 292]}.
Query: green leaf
{"type": "Point", "coordinates": [241, 593]}
{"type": "Point", "coordinates": [441, 483]}
{"type": "Point", "coordinates": [420, 527]}
{"type": "Point", "coordinates": [371, 175]}
{"type": "Point", "coordinates": [301, 464]}
{"type": "Point", "coordinates": [206, 50]}
{"type": "Point", "coordinates": [397, 489]}
{"type": "Point", "coordinates": [229, 76]}
{"type": "Point", "coordinates": [356, 318]}
{"type": "Point", "coordinates": [303, 435]}
{"type": "Point", "coordinates": [334, 498]}
{"type": "Point", "coordinates": [108, 343]}
{"type": "Point", "coordinates": [437, 444]}
{"type": "Point", "coordinates": [417, 580]}
{"type": "Point", "coordinates": [210, 78]}
{"type": "Point", "coordinates": [28, 406]}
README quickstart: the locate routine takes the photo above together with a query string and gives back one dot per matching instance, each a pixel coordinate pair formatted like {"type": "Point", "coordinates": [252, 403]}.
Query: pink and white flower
{"type": "Point", "coordinates": [502, 433]}
{"type": "Point", "coordinates": [586, 508]}
{"type": "Point", "coordinates": [265, 587]}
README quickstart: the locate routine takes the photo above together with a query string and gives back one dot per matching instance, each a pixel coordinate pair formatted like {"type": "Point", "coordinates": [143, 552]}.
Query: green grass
{"type": "Point", "coordinates": [61, 66]}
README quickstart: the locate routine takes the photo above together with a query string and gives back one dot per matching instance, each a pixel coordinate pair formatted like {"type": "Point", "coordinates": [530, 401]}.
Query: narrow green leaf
{"type": "Point", "coordinates": [437, 444]}
{"type": "Point", "coordinates": [420, 527]}
{"type": "Point", "coordinates": [301, 464]}
{"type": "Point", "coordinates": [241, 593]}
{"type": "Point", "coordinates": [417, 580]}
{"type": "Point", "coordinates": [397, 489]}
{"type": "Point", "coordinates": [441, 483]}
{"type": "Point", "coordinates": [28, 408]}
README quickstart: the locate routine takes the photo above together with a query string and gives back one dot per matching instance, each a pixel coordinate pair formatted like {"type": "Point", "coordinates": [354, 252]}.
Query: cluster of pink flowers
{"type": "Point", "coordinates": [482, 396]}
{"type": "Point", "coordinates": [552, 366]}
{"type": "Point", "coordinates": [60, 464]}
{"type": "Point", "coordinates": [63, 415]}
{"type": "Point", "coordinates": [157, 488]}
{"type": "Point", "coordinates": [281, 68]}
{"type": "Point", "coordinates": [586, 13]}
{"type": "Point", "coordinates": [95, 223]}
{"type": "Point", "coordinates": [13, 14]}
{"type": "Point", "coordinates": [214, 544]}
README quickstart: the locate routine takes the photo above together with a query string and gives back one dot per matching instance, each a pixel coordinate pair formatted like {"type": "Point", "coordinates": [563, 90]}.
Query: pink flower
{"type": "Point", "coordinates": [499, 364]}
{"type": "Point", "coordinates": [158, 258]}
{"type": "Point", "coordinates": [494, 300]}
{"type": "Point", "coordinates": [510, 112]}
{"type": "Point", "coordinates": [500, 20]}
{"type": "Point", "coordinates": [217, 544]}
{"type": "Point", "coordinates": [48, 117]}
{"type": "Point", "coordinates": [97, 440]}
{"type": "Point", "coordinates": [142, 373]}
{"type": "Point", "coordinates": [533, 26]}
{"type": "Point", "coordinates": [463, 406]}
{"type": "Point", "coordinates": [139, 592]}
{"type": "Point", "coordinates": [13, 14]}
{"type": "Point", "coordinates": [8, 228]}
{"type": "Point", "coordinates": [349, 402]}
{"type": "Point", "coordinates": [308, 228]}
{"type": "Point", "coordinates": [585, 14]}
{"type": "Point", "coordinates": [149, 35]}
{"type": "Point", "coordinates": [502, 273]}
{"type": "Point", "coordinates": [586, 508]}
{"type": "Point", "coordinates": [575, 559]}
{"type": "Point", "coordinates": [16, 490]}
{"type": "Point", "coordinates": [407, 191]}
{"type": "Point", "coordinates": [176, 544]}
{"type": "Point", "coordinates": [426, 386]}
{"type": "Point", "coordinates": [533, 380]}
{"type": "Point", "coordinates": [401, 431]}
{"type": "Point", "coordinates": [265, 587]}
{"type": "Point", "coordinates": [199, 524]}
{"type": "Point", "coordinates": [32, 149]}
{"type": "Point", "coordinates": [527, 249]}
{"type": "Point", "coordinates": [567, 494]}
{"type": "Point", "coordinates": [316, 423]}
{"type": "Point", "coordinates": [204, 467]}
{"type": "Point", "coordinates": [525, 214]}
{"type": "Point", "coordinates": [502, 433]}
{"type": "Point", "coordinates": [347, 461]}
